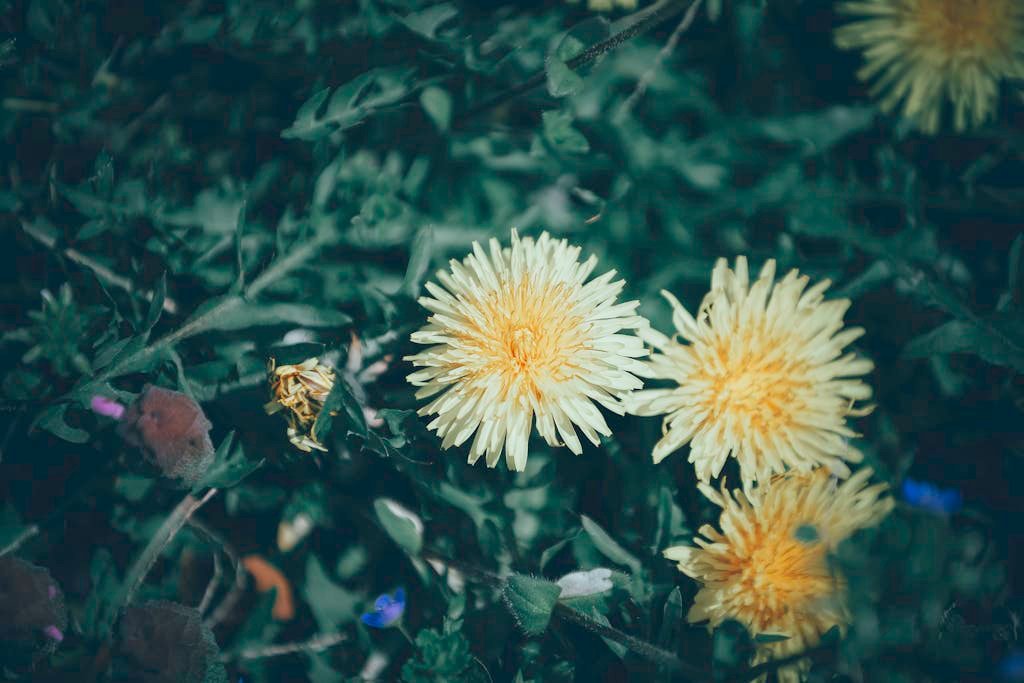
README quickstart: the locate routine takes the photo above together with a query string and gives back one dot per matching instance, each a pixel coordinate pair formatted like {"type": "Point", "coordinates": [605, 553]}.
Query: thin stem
{"type": "Point", "coordinates": [670, 46]}
{"type": "Point", "coordinates": [211, 587]}
{"type": "Point", "coordinates": [144, 562]}
{"type": "Point", "coordinates": [647, 20]}
{"type": "Point", "coordinates": [404, 632]}
{"type": "Point", "coordinates": [98, 269]}
{"type": "Point", "coordinates": [26, 533]}
{"type": "Point", "coordinates": [640, 647]}
{"type": "Point", "coordinates": [236, 591]}
{"type": "Point", "coordinates": [563, 611]}
{"type": "Point", "coordinates": [316, 644]}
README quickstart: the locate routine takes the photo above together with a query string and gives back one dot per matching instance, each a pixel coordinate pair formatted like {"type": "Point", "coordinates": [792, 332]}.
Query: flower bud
{"type": "Point", "coordinates": [33, 618]}
{"type": "Point", "coordinates": [171, 431]}
{"type": "Point", "coordinates": [164, 642]}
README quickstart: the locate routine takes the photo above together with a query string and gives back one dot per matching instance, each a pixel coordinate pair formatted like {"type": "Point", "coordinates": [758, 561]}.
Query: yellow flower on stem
{"type": "Point", "coordinates": [768, 568]}
{"type": "Point", "coordinates": [921, 53]}
{"type": "Point", "coordinates": [763, 377]}
{"type": "Point", "coordinates": [517, 334]}
{"type": "Point", "coordinates": [301, 390]}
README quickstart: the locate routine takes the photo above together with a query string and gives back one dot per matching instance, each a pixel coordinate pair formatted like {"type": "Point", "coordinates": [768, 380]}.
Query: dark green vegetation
{"type": "Point", "coordinates": [185, 183]}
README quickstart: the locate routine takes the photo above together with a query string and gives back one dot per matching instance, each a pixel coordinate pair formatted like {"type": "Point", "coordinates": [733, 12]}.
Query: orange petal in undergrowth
{"type": "Point", "coordinates": [268, 576]}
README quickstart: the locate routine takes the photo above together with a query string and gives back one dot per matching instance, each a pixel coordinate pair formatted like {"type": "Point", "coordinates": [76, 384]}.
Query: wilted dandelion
{"type": "Point", "coordinates": [762, 378]}
{"type": "Point", "coordinates": [923, 52]}
{"type": "Point", "coordinates": [301, 390]}
{"type": "Point", "coordinates": [768, 568]}
{"type": "Point", "coordinates": [518, 334]}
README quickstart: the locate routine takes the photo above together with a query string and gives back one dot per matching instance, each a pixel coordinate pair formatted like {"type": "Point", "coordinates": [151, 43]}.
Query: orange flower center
{"type": "Point", "coordinates": [751, 378]}
{"type": "Point", "coordinates": [966, 27]}
{"type": "Point", "coordinates": [779, 573]}
{"type": "Point", "coordinates": [525, 334]}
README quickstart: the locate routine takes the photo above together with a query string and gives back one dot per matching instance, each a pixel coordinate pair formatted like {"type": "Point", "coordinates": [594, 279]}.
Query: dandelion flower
{"type": "Point", "coordinates": [923, 52]}
{"type": "Point", "coordinates": [302, 390]}
{"type": "Point", "coordinates": [762, 378]}
{"type": "Point", "coordinates": [517, 334]}
{"type": "Point", "coordinates": [769, 566]}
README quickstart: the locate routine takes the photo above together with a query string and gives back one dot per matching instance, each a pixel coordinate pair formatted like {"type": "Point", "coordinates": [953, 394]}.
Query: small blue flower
{"type": "Point", "coordinates": [928, 496]}
{"type": "Point", "coordinates": [387, 610]}
{"type": "Point", "coordinates": [1012, 668]}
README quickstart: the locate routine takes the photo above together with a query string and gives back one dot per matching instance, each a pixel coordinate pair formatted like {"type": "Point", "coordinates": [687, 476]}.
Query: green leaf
{"type": "Point", "coordinates": [562, 81]}
{"type": "Point", "coordinates": [340, 403]}
{"type": "Point", "coordinates": [419, 261]}
{"type": "Point", "coordinates": [608, 547]}
{"type": "Point", "coordinates": [350, 104]}
{"type": "Point", "coordinates": [332, 605]}
{"type": "Point", "coordinates": [426, 22]}
{"type": "Point", "coordinates": [52, 420]}
{"type": "Point", "coordinates": [531, 601]}
{"type": "Point", "coordinates": [766, 638]}
{"type": "Point", "coordinates": [230, 466]}
{"type": "Point", "coordinates": [998, 339]}
{"type": "Point", "coordinates": [396, 522]}
{"type": "Point", "coordinates": [561, 135]}
{"type": "Point", "coordinates": [156, 305]}
{"type": "Point", "coordinates": [239, 314]}
{"type": "Point", "coordinates": [438, 105]}
{"type": "Point", "coordinates": [672, 619]}
{"type": "Point", "coordinates": [817, 131]}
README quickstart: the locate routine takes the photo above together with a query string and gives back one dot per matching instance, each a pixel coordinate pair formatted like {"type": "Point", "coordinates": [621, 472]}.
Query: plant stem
{"type": "Point", "coordinates": [144, 562]}
{"type": "Point", "coordinates": [238, 588]}
{"type": "Point", "coordinates": [563, 611]}
{"type": "Point", "coordinates": [670, 46]}
{"type": "Point", "coordinates": [647, 20]}
{"type": "Point", "coordinates": [316, 644]}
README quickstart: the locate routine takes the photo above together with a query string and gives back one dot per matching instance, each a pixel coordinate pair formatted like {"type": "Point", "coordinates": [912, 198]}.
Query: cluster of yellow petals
{"type": "Point", "coordinates": [301, 390]}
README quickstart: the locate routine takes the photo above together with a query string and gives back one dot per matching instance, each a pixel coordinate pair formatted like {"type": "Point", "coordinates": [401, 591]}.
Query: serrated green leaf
{"type": "Point", "coordinates": [230, 466]}
{"type": "Point", "coordinates": [562, 81]}
{"type": "Point", "coordinates": [531, 601]}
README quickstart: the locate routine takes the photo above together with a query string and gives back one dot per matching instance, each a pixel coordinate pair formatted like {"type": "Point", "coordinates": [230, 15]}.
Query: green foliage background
{"type": "Point", "coordinates": [191, 187]}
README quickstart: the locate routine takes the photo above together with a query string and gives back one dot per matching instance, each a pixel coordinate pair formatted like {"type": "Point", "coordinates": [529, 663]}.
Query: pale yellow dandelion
{"type": "Point", "coordinates": [762, 377]}
{"type": "Point", "coordinates": [301, 390]}
{"type": "Point", "coordinates": [922, 53]}
{"type": "Point", "coordinates": [517, 334]}
{"type": "Point", "coordinates": [769, 566]}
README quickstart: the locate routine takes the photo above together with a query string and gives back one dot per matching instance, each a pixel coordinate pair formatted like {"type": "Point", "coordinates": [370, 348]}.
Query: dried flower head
{"type": "Point", "coordinates": [923, 52]}
{"type": "Point", "coordinates": [763, 377]}
{"type": "Point", "coordinates": [32, 613]}
{"type": "Point", "coordinates": [302, 390]}
{"type": "Point", "coordinates": [518, 334]}
{"type": "Point", "coordinates": [164, 642]}
{"type": "Point", "coordinates": [768, 568]}
{"type": "Point", "coordinates": [172, 431]}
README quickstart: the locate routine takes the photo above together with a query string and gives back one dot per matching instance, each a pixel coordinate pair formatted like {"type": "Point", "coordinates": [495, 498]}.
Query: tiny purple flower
{"type": "Point", "coordinates": [53, 633]}
{"type": "Point", "coordinates": [102, 405]}
{"type": "Point", "coordinates": [387, 610]}
{"type": "Point", "coordinates": [928, 496]}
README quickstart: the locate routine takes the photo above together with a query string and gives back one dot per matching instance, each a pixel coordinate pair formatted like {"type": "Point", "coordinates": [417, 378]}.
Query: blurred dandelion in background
{"type": "Point", "coordinates": [763, 378]}
{"type": "Point", "coordinates": [768, 568]}
{"type": "Point", "coordinates": [920, 54]}
{"type": "Point", "coordinates": [517, 334]}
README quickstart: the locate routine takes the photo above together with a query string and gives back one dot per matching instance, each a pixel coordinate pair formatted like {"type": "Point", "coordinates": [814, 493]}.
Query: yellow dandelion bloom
{"type": "Point", "coordinates": [517, 334]}
{"type": "Point", "coordinates": [301, 390]}
{"type": "Point", "coordinates": [768, 568]}
{"type": "Point", "coordinates": [924, 52]}
{"type": "Point", "coordinates": [762, 378]}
